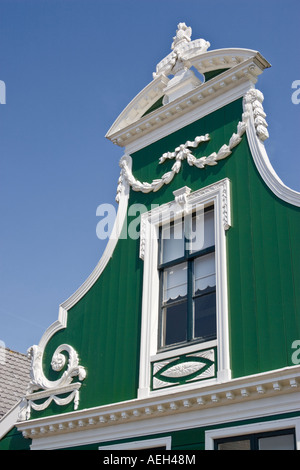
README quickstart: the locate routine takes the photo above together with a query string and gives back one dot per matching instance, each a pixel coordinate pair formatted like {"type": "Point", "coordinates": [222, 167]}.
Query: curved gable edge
{"type": "Point", "coordinates": [9, 420]}
{"type": "Point", "coordinates": [140, 104]}
{"type": "Point", "coordinates": [61, 322]}
{"type": "Point", "coordinates": [263, 164]}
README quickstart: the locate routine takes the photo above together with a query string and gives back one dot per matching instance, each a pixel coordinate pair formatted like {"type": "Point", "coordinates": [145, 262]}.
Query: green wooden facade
{"type": "Point", "coordinates": [261, 331]}
{"type": "Point", "coordinates": [263, 280]}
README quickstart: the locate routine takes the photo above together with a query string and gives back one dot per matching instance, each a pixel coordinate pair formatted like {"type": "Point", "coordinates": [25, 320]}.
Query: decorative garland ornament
{"type": "Point", "coordinates": [181, 153]}
{"type": "Point", "coordinates": [253, 104]}
{"type": "Point", "coordinates": [30, 404]}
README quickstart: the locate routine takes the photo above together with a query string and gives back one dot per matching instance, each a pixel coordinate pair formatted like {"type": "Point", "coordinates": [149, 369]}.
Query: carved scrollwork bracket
{"type": "Point", "coordinates": [41, 387]}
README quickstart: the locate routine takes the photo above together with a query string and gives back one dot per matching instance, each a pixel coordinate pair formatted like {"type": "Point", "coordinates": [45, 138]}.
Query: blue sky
{"type": "Point", "coordinates": [70, 67]}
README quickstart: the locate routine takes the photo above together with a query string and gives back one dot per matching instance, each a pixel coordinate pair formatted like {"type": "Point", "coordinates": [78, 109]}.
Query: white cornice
{"type": "Point", "coordinates": [202, 100]}
{"type": "Point", "coordinates": [191, 115]}
{"type": "Point", "coordinates": [219, 59]}
{"type": "Point", "coordinates": [140, 104]}
{"type": "Point", "coordinates": [265, 394]}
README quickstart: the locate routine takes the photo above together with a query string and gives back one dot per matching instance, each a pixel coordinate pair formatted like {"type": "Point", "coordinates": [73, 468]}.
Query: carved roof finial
{"type": "Point", "coordinates": [183, 49]}
{"type": "Point", "coordinates": [183, 34]}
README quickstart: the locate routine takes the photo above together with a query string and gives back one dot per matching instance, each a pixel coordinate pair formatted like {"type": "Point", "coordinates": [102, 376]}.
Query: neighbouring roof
{"type": "Point", "coordinates": [14, 378]}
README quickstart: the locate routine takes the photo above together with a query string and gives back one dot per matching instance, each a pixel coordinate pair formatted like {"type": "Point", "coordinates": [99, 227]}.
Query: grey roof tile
{"type": "Point", "coordinates": [14, 378]}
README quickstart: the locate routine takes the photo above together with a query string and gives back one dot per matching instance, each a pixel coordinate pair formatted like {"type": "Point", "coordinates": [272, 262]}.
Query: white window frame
{"type": "Point", "coordinates": [235, 431]}
{"type": "Point", "coordinates": [217, 194]}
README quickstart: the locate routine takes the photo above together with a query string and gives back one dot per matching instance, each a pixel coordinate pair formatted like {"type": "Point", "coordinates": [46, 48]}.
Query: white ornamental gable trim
{"type": "Point", "coordinates": [40, 387]}
{"type": "Point", "coordinates": [253, 98]}
{"type": "Point", "coordinates": [257, 133]}
{"type": "Point", "coordinates": [183, 49]}
{"type": "Point", "coordinates": [183, 369]}
{"type": "Point", "coordinates": [39, 381]}
{"type": "Point", "coordinates": [253, 104]}
{"type": "Point", "coordinates": [256, 127]}
{"type": "Point", "coordinates": [184, 92]}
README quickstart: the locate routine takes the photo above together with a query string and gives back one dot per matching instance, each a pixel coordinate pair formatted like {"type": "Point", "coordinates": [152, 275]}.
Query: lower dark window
{"type": "Point", "coordinates": [276, 440]}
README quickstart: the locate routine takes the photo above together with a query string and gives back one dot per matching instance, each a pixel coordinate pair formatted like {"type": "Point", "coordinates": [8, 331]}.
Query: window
{"type": "Point", "coordinates": [184, 328]}
{"type": "Point", "coordinates": [276, 434]}
{"type": "Point", "coordinates": [187, 281]}
{"type": "Point", "coordinates": [276, 440]}
{"type": "Point", "coordinates": [155, 444]}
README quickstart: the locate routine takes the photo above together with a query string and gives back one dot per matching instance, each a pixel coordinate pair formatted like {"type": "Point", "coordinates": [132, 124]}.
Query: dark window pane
{"type": "Point", "coordinates": [175, 323]}
{"type": "Point", "coordinates": [283, 442]}
{"type": "Point", "coordinates": [175, 282]}
{"type": "Point", "coordinates": [277, 440]}
{"type": "Point", "coordinates": [172, 242]}
{"type": "Point", "coordinates": [235, 445]}
{"type": "Point", "coordinates": [203, 231]}
{"type": "Point", "coordinates": [205, 316]}
{"type": "Point", "coordinates": [204, 273]}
